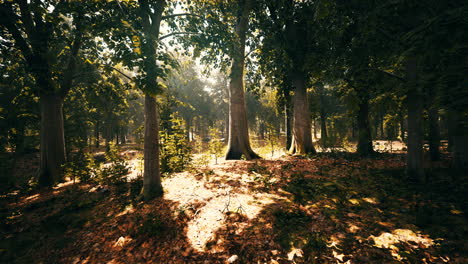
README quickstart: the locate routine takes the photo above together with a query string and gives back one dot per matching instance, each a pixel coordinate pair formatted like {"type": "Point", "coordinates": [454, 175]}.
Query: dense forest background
{"type": "Point", "coordinates": [317, 102]}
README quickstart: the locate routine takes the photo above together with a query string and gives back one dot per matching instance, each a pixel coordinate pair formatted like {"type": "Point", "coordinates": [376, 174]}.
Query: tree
{"type": "Point", "coordinates": [49, 36]}
{"type": "Point", "coordinates": [290, 23]}
{"type": "Point", "coordinates": [224, 42]}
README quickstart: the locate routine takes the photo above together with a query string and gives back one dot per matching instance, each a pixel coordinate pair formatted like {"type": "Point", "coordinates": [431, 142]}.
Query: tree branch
{"type": "Point", "coordinates": [387, 73]}
{"type": "Point", "coordinates": [178, 33]}
{"type": "Point", "coordinates": [181, 14]}
{"type": "Point", "coordinates": [119, 71]}
{"type": "Point", "coordinates": [26, 17]}
{"type": "Point", "coordinates": [71, 67]}
{"type": "Point", "coordinates": [7, 19]}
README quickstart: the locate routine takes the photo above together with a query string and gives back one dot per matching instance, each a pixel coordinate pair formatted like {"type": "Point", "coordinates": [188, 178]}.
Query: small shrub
{"type": "Point", "coordinates": [81, 166]}
{"type": "Point", "coordinates": [216, 145]}
{"type": "Point", "coordinates": [176, 153]}
{"type": "Point", "coordinates": [115, 172]}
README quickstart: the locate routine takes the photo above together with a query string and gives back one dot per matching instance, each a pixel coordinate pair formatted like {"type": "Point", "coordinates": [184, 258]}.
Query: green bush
{"type": "Point", "coordinates": [176, 153]}
{"type": "Point", "coordinates": [115, 172]}
{"type": "Point", "coordinates": [81, 165]}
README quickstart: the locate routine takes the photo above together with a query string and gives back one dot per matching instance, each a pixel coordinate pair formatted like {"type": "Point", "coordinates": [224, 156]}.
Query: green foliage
{"type": "Point", "coordinates": [216, 146]}
{"type": "Point", "coordinates": [81, 166]}
{"type": "Point", "coordinates": [115, 170]}
{"type": "Point", "coordinates": [176, 153]}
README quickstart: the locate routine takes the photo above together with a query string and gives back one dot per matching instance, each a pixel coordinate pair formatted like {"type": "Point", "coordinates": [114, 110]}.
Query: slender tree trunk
{"type": "Point", "coordinates": [239, 143]}
{"type": "Point", "coordinates": [323, 117]}
{"type": "Point", "coordinates": [323, 128]}
{"type": "Point", "coordinates": [364, 145]}
{"type": "Point", "coordinates": [414, 161]}
{"type": "Point", "coordinates": [451, 127]}
{"type": "Point", "coordinates": [108, 133]}
{"type": "Point", "coordinates": [52, 139]}
{"type": "Point", "coordinates": [96, 133]}
{"type": "Point", "coordinates": [302, 134]}
{"type": "Point", "coordinates": [123, 135]}
{"type": "Point", "coordinates": [287, 120]}
{"type": "Point", "coordinates": [381, 126]}
{"type": "Point", "coordinates": [151, 21]}
{"type": "Point", "coordinates": [434, 132]}
{"type": "Point", "coordinates": [402, 126]}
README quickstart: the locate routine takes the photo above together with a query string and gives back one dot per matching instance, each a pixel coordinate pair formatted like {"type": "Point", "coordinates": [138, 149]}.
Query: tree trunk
{"type": "Point", "coordinates": [323, 118]}
{"type": "Point", "coordinates": [287, 118]}
{"type": "Point", "coordinates": [52, 140]}
{"type": "Point", "coordinates": [239, 143]}
{"type": "Point", "coordinates": [460, 141]}
{"type": "Point", "coordinates": [381, 126]}
{"type": "Point", "coordinates": [402, 126]}
{"type": "Point", "coordinates": [151, 179]}
{"type": "Point", "coordinates": [151, 21]}
{"type": "Point", "coordinates": [302, 134]}
{"type": "Point", "coordinates": [414, 160]}
{"type": "Point", "coordinates": [364, 145]}
{"type": "Point", "coordinates": [96, 133]}
{"type": "Point", "coordinates": [434, 132]}
{"type": "Point", "coordinates": [123, 135]}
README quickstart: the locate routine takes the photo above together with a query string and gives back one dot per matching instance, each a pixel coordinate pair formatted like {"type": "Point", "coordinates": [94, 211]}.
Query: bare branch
{"type": "Point", "coordinates": [119, 71]}
{"type": "Point", "coordinates": [26, 17]}
{"type": "Point", "coordinates": [7, 19]}
{"type": "Point", "coordinates": [178, 33]}
{"type": "Point", "coordinates": [71, 67]}
{"type": "Point", "coordinates": [181, 14]}
{"type": "Point", "coordinates": [388, 73]}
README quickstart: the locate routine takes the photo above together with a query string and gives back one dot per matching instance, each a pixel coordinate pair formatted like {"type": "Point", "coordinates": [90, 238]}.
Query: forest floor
{"type": "Point", "coordinates": [330, 208]}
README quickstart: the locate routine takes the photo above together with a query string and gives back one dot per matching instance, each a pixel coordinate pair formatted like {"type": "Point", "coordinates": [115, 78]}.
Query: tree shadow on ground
{"type": "Point", "coordinates": [338, 208]}
{"type": "Point", "coordinates": [82, 223]}
{"type": "Point", "coordinates": [330, 208]}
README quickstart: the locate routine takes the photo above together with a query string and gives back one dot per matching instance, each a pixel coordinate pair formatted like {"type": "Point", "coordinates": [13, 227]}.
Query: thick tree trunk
{"type": "Point", "coordinates": [302, 134]}
{"type": "Point", "coordinates": [364, 145]}
{"type": "Point", "coordinates": [239, 144]}
{"type": "Point", "coordinates": [434, 132]}
{"type": "Point", "coordinates": [460, 141]}
{"type": "Point", "coordinates": [414, 160]}
{"type": "Point", "coordinates": [52, 140]}
{"type": "Point", "coordinates": [151, 179]}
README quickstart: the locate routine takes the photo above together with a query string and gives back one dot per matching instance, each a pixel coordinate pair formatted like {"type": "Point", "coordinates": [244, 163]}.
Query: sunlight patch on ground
{"type": "Point", "coordinates": [216, 202]}
{"type": "Point", "coordinates": [390, 240]}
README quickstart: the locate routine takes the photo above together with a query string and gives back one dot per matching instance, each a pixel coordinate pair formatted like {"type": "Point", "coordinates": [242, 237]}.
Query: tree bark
{"type": "Point", "coordinates": [151, 179]}
{"type": "Point", "coordinates": [96, 133]}
{"type": "Point", "coordinates": [287, 118]}
{"type": "Point", "coordinates": [238, 143]}
{"type": "Point", "coordinates": [460, 140]}
{"type": "Point", "coordinates": [364, 145]}
{"type": "Point", "coordinates": [151, 21]}
{"type": "Point", "coordinates": [414, 160]}
{"type": "Point", "coordinates": [434, 132]}
{"type": "Point", "coordinates": [302, 134]}
{"type": "Point", "coordinates": [52, 140]}
{"type": "Point", "coordinates": [323, 118]}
